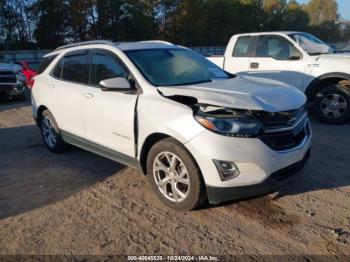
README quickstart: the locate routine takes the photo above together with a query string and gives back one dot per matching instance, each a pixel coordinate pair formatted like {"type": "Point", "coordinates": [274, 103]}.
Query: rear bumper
{"type": "Point", "coordinates": [271, 184]}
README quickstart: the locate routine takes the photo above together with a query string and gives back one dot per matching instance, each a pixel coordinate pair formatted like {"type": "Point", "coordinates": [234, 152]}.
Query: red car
{"type": "Point", "coordinates": [28, 73]}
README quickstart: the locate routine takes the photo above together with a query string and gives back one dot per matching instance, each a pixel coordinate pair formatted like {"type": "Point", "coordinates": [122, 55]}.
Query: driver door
{"type": "Point", "coordinates": [108, 115]}
{"type": "Point", "coordinates": [278, 59]}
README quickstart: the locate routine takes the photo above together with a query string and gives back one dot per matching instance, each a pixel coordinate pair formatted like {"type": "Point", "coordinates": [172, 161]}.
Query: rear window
{"type": "Point", "coordinates": [242, 47]}
{"type": "Point", "coordinates": [45, 63]}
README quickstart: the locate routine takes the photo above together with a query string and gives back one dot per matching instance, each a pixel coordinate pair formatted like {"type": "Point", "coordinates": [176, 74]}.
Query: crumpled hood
{"type": "Point", "coordinates": [242, 92]}
{"type": "Point", "coordinates": [10, 67]}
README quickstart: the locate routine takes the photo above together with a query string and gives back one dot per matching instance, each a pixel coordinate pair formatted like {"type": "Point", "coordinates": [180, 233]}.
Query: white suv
{"type": "Point", "coordinates": [195, 130]}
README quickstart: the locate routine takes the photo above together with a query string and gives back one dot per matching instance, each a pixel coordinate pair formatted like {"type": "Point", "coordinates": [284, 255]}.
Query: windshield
{"type": "Point", "coordinates": [311, 44]}
{"type": "Point", "coordinates": [171, 67]}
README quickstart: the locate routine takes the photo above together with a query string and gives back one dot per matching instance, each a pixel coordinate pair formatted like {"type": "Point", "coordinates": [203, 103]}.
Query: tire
{"type": "Point", "coordinates": [332, 105]}
{"type": "Point", "coordinates": [51, 133]}
{"type": "Point", "coordinates": [190, 185]}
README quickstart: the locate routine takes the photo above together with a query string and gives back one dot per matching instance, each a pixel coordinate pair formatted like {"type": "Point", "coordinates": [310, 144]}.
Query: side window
{"type": "Point", "coordinates": [104, 66]}
{"type": "Point", "coordinates": [241, 48]}
{"type": "Point", "coordinates": [74, 67]}
{"type": "Point", "coordinates": [57, 72]}
{"type": "Point", "coordinates": [277, 47]}
{"type": "Point", "coordinates": [45, 63]}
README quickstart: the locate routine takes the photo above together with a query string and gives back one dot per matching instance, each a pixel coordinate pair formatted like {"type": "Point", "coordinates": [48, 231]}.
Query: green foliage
{"type": "Point", "coordinates": [52, 22]}
{"type": "Point", "coordinates": [322, 11]}
{"type": "Point", "coordinates": [49, 23]}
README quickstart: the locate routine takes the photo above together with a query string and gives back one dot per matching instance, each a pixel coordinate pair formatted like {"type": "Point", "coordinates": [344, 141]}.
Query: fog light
{"type": "Point", "coordinates": [227, 170]}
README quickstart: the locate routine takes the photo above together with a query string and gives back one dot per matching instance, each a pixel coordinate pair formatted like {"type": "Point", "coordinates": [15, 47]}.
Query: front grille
{"type": "Point", "coordinates": [7, 77]}
{"type": "Point", "coordinates": [284, 130]}
{"type": "Point", "coordinates": [4, 89]}
{"type": "Point", "coordinates": [280, 119]}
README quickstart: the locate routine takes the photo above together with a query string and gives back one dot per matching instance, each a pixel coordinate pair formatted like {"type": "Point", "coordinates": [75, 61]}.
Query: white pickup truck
{"type": "Point", "coordinates": [298, 59]}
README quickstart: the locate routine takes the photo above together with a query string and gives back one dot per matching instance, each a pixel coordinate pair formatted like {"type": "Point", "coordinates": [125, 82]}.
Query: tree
{"type": "Point", "coordinates": [52, 23]}
{"type": "Point", "coordinates": [275, 11]}
{"type": "Point", "coordinates": [15, 24]}
{"type": "Point", "coordinates": [295, 17]}
{"type": "Point", "coordinates": [49, 23]}
{"type": "Point", "coordinates": [108, 15]}
{"type": "Point", "coordinates": [82, 19]}
{"type": "Point", "coordinates": [322, 11]}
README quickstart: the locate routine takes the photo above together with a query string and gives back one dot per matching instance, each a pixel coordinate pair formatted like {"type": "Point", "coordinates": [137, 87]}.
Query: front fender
{"type": "Point", "coordinates": [314, 85]}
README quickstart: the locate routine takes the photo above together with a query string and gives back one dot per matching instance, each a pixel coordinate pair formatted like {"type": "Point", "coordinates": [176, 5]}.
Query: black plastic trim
{"type": "Point", "coordinates": [272, 183]}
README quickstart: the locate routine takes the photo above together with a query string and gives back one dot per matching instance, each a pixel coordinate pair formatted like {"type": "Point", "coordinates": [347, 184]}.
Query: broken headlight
{"type": "Point", "coordinates": [227, 121]}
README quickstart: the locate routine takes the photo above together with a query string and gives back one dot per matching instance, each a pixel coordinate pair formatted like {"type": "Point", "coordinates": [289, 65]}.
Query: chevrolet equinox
{"type": "Point", "coordinates": [198, 132]}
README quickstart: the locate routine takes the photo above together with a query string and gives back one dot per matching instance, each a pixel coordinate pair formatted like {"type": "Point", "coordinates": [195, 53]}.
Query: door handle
{"type": "Point", "coordinates": [254, 65]}
{"type": "Point", "coordinates": [88, 95]}
{"type": "Point", "coordinates": [51, 86]}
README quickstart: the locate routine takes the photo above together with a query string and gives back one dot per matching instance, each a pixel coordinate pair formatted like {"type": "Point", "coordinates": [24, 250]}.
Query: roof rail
{"type": "Point", "coordinates": [156, 41]}
{"type": "Point", "coordinates": [94, 42]}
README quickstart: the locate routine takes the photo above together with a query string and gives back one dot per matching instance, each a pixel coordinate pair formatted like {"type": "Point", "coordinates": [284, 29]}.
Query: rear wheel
{"type": "Point", "coordinates": [51, 134]}
{"type": "Point", "coordinates": [174, 175]}
{"type": "Point", "coordinates": [332, 105]}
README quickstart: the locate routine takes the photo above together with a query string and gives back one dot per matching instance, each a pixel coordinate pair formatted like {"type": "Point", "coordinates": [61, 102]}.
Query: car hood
{"type": "Point", "coordinates": [10, 67]}
{"type": "Point", "coordinates": [335, 57]}
{"type": "Point", "coordinates": [242, 92]}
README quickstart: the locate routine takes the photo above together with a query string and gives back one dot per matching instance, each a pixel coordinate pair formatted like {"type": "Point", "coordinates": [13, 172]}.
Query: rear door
{"type": "Point", "coordinates": [237, 62]}
{"type": "Point", "coordinates": [276, 58]}
{"type": "Point", "coordinates": [108, 115]}
{"type": "Point", "coordinates": [66, 85]}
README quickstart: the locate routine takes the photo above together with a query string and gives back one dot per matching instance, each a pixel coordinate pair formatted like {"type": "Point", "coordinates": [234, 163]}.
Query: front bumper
{"type": "Point", "coordinates": [11, 90]}
{"type": "Point", "coordinates": [271, 184]}
{"type": "Point", "coordinates": [257, 163]}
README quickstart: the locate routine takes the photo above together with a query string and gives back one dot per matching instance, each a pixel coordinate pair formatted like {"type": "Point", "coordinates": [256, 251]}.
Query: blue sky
{"type": "Point", "coordinates": [343, 7]}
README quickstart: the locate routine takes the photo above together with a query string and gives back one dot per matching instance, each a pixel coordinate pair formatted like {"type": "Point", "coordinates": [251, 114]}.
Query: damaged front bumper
{"type": "Point", "coordinates": [269, 185]}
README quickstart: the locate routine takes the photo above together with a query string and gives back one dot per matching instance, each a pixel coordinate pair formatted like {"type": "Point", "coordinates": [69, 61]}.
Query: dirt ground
{"type": "Point", "coordinates": [79, 203]}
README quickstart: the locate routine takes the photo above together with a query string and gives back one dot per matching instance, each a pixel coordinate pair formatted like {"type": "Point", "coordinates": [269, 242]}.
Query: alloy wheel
{"type": "Point", "coordinates": [49, 132]}
{"type": "Point", "coordinates": [171, 176]}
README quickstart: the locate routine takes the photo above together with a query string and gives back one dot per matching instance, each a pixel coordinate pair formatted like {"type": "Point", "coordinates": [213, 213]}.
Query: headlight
{"type": "Point", "coordinates": [20, 77]}
{"type": "Point", "coordinates": [229, 122]}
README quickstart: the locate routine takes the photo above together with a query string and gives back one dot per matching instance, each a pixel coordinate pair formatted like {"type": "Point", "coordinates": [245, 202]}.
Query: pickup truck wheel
{"type": "Point", "coordinates": [332, 105]}
{"type": "Point", "coordinates": [51, 133]}
{"type": "Point", "coordinates": [174, 176]}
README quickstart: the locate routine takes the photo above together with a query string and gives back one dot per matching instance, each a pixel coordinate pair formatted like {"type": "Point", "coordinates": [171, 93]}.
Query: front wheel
{"type": "Point", "coordinates": [174, 175]}
{"type": "Point", "coordinates": [332, 105]}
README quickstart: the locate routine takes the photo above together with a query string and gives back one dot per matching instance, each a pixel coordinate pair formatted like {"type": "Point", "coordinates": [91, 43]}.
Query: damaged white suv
{"type": "Point", "coordinates": [197, 132]}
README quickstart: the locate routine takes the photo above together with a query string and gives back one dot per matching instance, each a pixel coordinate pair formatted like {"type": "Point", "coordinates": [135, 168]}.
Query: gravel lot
{"type": "Point", "coordinates": [80, 203]}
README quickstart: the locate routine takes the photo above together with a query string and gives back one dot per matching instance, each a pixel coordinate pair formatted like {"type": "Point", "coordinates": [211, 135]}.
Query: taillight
{"type": "Point", "coordinates": [31, 82]}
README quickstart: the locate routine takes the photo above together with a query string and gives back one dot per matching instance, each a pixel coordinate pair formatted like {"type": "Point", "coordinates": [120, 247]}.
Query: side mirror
{"type": "Point", "coordinates": [119, 84]}
{"type": "Point", "coordinates": [295, 54]}
{"type": "Point", "coordinates": [295, 57]}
